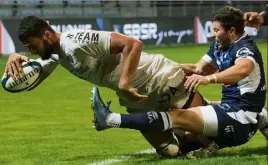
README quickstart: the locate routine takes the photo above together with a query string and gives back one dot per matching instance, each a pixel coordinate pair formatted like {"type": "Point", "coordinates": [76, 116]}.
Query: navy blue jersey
{"type": "Point", "coordinates": [248, 94]}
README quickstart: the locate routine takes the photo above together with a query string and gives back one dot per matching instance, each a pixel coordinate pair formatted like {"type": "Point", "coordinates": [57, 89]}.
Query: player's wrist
{"type": "Point", "coordinates": [212, 78]}
{"type": "Point", "coordinates": [123, 86]}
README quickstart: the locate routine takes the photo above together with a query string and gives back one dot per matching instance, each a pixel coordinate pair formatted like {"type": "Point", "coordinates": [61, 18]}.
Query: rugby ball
{"type": "Point", "coordinates": [25, 81]}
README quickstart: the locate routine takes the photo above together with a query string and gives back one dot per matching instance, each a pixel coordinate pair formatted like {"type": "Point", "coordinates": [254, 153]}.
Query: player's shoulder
{"type": "Point", "coordinates": [70, 33]}
{"type": "Point", "coordinates": [246, 45]}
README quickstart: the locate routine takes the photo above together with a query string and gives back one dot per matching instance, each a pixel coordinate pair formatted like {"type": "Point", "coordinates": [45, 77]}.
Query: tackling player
{"type": "Point", "coordinates": [231, 122]}
{"type": "Point", "coordinates": [256, 20]}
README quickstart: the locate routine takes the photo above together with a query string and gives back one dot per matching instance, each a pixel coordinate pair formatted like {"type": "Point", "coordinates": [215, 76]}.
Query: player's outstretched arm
{"type": "Point", "coordinates": [239, 71]}
{"type": "Point", "coordinates": [14, 67]}
{"type": "Point", "coordinates": [205, 66]}
{"type": "Point", "coordinates": [131, 49]}
{"type": "Point", "coordinates": [201, 68]}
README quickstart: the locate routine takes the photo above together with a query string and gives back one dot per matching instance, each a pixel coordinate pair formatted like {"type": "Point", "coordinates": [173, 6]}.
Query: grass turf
{"type": "Point", "coordinates": [51, 125]}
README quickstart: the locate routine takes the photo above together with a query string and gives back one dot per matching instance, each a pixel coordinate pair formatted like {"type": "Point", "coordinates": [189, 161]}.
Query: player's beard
{"type": "Point", "coordinates": [48, 50]}
{"type": "Point", "coordinates": [224, 42]}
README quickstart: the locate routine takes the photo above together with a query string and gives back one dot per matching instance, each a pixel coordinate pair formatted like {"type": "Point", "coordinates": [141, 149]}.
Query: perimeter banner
{"type": "Point", "coordinates": [151, 31]}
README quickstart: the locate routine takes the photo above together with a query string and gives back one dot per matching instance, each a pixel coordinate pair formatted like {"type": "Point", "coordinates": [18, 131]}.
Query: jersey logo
{"type": "Point", "coordinates": [69, 36]}
{"type": "Point", "coordinates": [244, 51]}
{"type": "Point", "coordinates": [86, 38]}
{"type": "Point", "coordinates": [229, 131]}
{"type": "Point", "coordinates": [152, 116]}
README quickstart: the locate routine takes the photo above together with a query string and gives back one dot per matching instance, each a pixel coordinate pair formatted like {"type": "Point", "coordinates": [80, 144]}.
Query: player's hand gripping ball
{"type": "Point", "coordinates": [25, 81]}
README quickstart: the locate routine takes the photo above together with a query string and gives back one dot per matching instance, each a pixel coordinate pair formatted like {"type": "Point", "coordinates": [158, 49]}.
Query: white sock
{"type": "Point", "coordinates": [166, 120]}
{"type": "Point", "coordinates": [113, 120]}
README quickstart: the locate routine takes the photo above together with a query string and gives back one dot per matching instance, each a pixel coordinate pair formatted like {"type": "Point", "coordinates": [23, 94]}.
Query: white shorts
{"type": "Point", "coordinates": [164, 92]}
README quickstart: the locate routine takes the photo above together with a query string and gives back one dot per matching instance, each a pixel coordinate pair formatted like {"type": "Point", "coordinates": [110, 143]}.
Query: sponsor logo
{"type": "Point", "coordinates": [150, 31]}
{"type": "Point", "coordinates": [244, 51]}
{"type": "Point", "coordinates": [82, 37]}
{"type": "Point", "coordinates": [142, 31]}
{"type": "Point", "coordinates": [152, 116]}
{"type": "Point", "coordinates": [69, 36]}
{"type": "Point", "coordinates": [145, 31]}
{"type": "Point", "coordinates": [67, 27]}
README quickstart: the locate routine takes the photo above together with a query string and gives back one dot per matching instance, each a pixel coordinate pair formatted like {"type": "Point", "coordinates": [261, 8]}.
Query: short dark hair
{"type": "Point", "coordinates": [230, 17]}
{"type": "Point", "coordinates": [32, 26]}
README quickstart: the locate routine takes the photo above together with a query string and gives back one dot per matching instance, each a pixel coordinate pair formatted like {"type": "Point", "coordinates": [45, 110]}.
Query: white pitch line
{"type": "Point", "coordinates": [122, 158]}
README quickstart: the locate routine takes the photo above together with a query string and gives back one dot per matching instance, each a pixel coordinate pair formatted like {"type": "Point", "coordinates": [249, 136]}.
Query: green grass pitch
{"type": "Point", "coordinates": [51, 125]}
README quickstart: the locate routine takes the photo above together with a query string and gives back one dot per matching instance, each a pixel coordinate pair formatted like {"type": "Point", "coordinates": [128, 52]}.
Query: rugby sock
{"type": "Point", "coordinates": [150, 121]}
{"type": "Point", "coordinates": [113, 120]}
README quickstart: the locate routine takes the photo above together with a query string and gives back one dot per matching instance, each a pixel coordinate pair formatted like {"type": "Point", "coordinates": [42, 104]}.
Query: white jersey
{"type": "Point", "coordinates": [86, 54]}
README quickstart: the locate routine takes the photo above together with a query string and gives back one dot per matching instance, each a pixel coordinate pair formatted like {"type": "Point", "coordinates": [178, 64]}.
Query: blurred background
{"type": "Point", "coordinates": [153, 22]}
{"type": "Point", "coordinates": [51, 125]}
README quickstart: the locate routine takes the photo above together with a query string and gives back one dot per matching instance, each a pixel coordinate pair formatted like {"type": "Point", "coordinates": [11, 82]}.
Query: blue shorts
{"type": "Point", "coordinates": [228, 125]}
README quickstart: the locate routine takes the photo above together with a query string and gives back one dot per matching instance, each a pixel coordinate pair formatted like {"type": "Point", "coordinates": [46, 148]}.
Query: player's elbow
{"type": "Point", "coordinates": [132, 44]}
{"type": "Point", "coordinates": [138, 45]}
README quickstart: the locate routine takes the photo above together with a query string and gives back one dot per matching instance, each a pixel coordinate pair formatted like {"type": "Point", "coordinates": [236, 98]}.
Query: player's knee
{"type": "Point", "coordinates": [170, 149]}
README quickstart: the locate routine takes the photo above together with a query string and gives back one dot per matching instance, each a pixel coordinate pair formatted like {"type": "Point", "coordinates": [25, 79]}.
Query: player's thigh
{"type": "Point", "coordinates": [190, 120]}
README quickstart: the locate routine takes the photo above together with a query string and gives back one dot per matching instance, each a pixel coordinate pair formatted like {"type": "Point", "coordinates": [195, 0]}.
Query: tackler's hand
{"type": "Point", "coordinates": [253, 19]}
{"type": "Point", "coordinates": [194, 81]}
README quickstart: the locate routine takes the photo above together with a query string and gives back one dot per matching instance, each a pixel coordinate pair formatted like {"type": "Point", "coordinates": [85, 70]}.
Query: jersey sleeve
{"type": "Point", "coordinates": [209, 56]}
{"type": "Point", "coordinates": [244, 53]}
{"type": "Point", "coordinates": [102, 41]}
{"type": "Point", "coordinates": [48, 66]}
